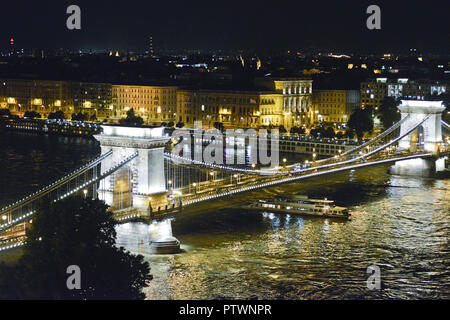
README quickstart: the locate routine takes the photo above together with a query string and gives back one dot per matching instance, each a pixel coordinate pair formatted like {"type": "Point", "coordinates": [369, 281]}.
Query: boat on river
{"type": "Point", "coordinates": [302, 205]}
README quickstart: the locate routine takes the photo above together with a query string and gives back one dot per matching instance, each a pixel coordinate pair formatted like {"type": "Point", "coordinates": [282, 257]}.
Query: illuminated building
{"type": "Point", "coordinates": [234, 109]}
{"type": "Point", "coordinates": [41, 96]}
{"type": "Point", "coordinates": [92, 99]}
{"type": "Point", "coordinates": [45, 97]}
{"type": "Point", "coordinates": [155, 104]}
{"type": "Point", "coordinates": [374, 91]}
{"type": "Point", "coordinates": [296, 100]}
{"type": "Point", "coordinates": [334, 106]}
{"type": "Point", "coordinates": [273, 103]}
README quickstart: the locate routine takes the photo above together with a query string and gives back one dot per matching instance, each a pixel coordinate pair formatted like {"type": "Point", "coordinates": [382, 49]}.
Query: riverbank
{"type": "Point", "coordinates": [53, 127]}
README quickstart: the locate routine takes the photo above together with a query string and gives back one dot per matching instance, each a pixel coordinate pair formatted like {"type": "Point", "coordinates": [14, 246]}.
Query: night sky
{"type": "Point", "coordinates": [226, 24]}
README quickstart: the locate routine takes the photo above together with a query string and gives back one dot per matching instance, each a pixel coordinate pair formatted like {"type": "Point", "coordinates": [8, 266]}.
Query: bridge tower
{"type": "Point", "coordinates": [141, 182]}
{"type": "Point", "coordinates": [429, 134]}
{"type": "Point", "coordinates": [431, 129]}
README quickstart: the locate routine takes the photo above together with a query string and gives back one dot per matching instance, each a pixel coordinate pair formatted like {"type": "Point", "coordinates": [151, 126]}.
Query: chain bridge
{"type": "Point", "coordinates": [138, 179]}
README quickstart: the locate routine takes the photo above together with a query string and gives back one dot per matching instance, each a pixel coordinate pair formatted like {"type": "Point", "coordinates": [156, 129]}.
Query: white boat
{"type": "Point", "coordinates": [298, 204]}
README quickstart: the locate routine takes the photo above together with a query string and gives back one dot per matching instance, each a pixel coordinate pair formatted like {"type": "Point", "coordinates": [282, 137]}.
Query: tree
{"type": "Point", "coordinates": [32, 114]}
{"type": "Point", "coordinates": [79, 117]}
{"type": "Point", "coordinates": [170, 124]}
{"type": "Point", "coordinates": [74, 231]}
{"type": "Point", "coordinates": [218, 125]}
{"type": "Point", "coordinates": [5, 112]}
{"type": "Point", "coordinates": [328, 132]}
{"type": "Point", "coordinates": [349, 133]}
{"type": "Point", "coordinates": [132, 119]}
{"type": "Point", "coordinates": [313, 132]}
{"type": "Point", "coordinates": [297, 130]}
{"type": "Point", "coordinates": [360, 121]}
{"type": "Point", "coordinates": [282, 129]}
{"type": "Point", "coordinates": [56, 115]}
{"type": "Point", "coordinates": [388, 112]}
{"type": "Point", "coordinates": [180, 124]}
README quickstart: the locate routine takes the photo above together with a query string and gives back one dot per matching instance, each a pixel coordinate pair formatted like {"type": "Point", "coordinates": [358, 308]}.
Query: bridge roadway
{"type": "Point", "coordinates": [220, 188]}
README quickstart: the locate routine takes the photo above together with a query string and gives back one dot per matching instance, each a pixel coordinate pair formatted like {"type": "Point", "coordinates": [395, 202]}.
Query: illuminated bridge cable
{"type": "Point", "coordinates": [108, 172]}
{"type": "Point", "coordinates": [394, 141]}
{"type": "Point", "coordinates": [367, 154]}
{"type": "Point", "coordinates": [102, 176]}
{"type": "Point", "coordinates": [371, 142]}
{"type": "Point", "coordinates": [56, 184]}
{"type": "Point", "coordinates": [379, 137]}
{"type": "Point", "coordinates": [309, 175]}
{"type": "Point", "coordinates": [446, 125]}
{"type": "Point", "coordinates": [170, 156]}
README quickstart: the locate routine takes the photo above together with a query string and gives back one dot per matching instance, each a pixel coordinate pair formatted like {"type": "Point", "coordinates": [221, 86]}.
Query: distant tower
{"type": "Point", "coordinates": [11, 46]}
{"type": "Point", "coordinates": [258, 64]}
{"type": "Point", "coordinates": [151, 45]}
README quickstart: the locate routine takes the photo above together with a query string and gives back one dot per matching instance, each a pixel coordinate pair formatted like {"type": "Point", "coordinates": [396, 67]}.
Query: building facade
{"type": "Point", "coordinates": [275, 102]}
{"type": "Point", "coordinates": [46, 96]}
{"type": "Point", "coordinates": [155, 104]}
{"type": "Point", "coordinates": [374, 91]}
{"type": "Point", "coordinates": [41, 96]}
{"type": "Point", "coordinates": [93, 99]}
{"type": "Point", "coordinates": [233, 109]}
{"type": "Point", "coordinates": [296, 104]}
{"type": "Point", "coordinates": [272, 102]}
{"type": "Point", "coordinates": [334, 106]}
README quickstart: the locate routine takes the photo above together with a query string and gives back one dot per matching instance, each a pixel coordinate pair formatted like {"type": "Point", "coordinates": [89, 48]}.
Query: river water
{"type": "Point", "coordinates": [400, 224]}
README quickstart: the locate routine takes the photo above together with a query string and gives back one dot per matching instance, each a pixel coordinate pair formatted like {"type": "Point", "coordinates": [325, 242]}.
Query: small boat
{"type": "Point", "coordinates": [299, 204]}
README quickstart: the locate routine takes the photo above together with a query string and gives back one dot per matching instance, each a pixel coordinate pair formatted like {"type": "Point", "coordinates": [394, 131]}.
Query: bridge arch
{"type": "Point", "coordinates": [123, 188]}
{"type": "Point", "coordinates": [143, 178]}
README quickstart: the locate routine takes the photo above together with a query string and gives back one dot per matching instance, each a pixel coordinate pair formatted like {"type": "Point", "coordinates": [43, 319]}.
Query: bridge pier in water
{"type": "Point", "coordinates": [418, 167]}
{"type": "Point", "coordinates": [428, 136]}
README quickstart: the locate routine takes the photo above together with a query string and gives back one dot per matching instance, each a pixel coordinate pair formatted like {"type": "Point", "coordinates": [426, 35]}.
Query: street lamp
{"type": "Point", "coordinates": [85, 193]}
